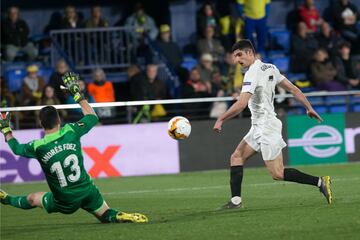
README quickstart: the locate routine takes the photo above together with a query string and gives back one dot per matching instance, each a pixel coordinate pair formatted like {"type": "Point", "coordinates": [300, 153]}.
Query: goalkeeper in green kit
{"type": "Point", "coordinates": [60, 156]}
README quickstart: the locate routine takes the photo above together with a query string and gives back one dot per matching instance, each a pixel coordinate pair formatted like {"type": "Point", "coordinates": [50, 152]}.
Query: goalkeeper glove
{"type": "Point", "coordinates": [5, 123]}
{"type": "Point", "coordinates": [71, 82]}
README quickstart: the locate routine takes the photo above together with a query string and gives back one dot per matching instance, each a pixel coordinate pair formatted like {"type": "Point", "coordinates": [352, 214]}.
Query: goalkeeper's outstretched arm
{"type": "Point", "coordinates": [25, 150]}
{"type": "Point", "coordinates": [71, 82]}
{"type": "Point", "coordinates": [86, 108]}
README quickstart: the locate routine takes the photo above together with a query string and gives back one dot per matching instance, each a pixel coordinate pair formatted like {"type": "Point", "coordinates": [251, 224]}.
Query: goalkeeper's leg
{"type": "Point", "coordinates": [24, 202]}
{"type": "Point", "coordinates": [110, 215]}
{"type": "Point", "coordinates": [94, 203]}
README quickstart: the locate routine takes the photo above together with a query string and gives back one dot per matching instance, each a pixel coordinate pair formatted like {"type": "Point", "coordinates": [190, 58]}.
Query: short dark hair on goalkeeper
{"type": "Point", "coordinates": [243, 45]}
{"type": "Point", "coordinates": [49, 117]}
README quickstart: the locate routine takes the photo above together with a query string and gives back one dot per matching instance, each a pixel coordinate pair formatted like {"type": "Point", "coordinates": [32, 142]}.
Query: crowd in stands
{"type": "Point", "coordinates": [317, 48]}
{"type": "Point", "coordinates": [324, 48]}
{"type": "Point", "coordinates": [15, 36]}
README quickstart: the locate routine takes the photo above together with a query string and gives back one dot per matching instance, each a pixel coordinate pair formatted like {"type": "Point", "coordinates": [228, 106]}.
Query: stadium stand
{"type": "Point", "coordinates": [113, 46]}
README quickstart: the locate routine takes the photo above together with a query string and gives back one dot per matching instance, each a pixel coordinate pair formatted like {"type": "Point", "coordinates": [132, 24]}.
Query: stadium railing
{"type": "Point", "coordinates": [89, 48]}
{"type": "Point", "coordinates": [198, 108]}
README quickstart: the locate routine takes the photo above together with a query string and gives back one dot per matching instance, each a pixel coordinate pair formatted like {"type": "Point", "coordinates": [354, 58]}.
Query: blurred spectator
{"type": "Point", "coordinates": [218, 89]}
{"type": "Point", "coordinates": [210, 45]}
{"type": "Point", "coordinates": [32, 87]}
{"type": "Point", "coordinates": [139, 90]}
{"type": "Point", "coordinates": [96, 20]}
{"type": "Point", "coordinates": [327, 38]}
{"type": "Point", "coordinates": [346, 17]}
{"type": "Point", "coordinates": [49, 98]}
{"type": "Point", "coordinates": [292, 19]}
{"type": "Point", "coordinates": [347, 72]}
{"type": "Point", "coordinates": [54, 22]}
{"type": "Point", "coordinates": [71, 19]}
{"type": "Point", "coordinates": [15, 36]}
{"type": "Point", "coordinates": [255, 13]}
{"type": "Point", "coordinates": [157, 87]}
{"type": "Point", "coordinates": [169, 49]}
{"type": "Point", "coordinates": [84, 91]}
{"type": "Point", "coordinates": [147, 87]}
{"type": "Point", "coordinates": [207, 17]}
{"type": "Point", "coordinates": [227, 24]}
{"type": "Point", "coordinates": [102, 91]}
{"type": "Point", "coordinates": [206, 67]}
{"type": "Point", "coordinates": [99, 40]}
{"type": "Point", "coordinates": [302, 48]}
{"type": "Point", "coordinates": [56, 79]}
{"type": "Point", "coordinates": [138, 82]}
{"type": "Point", "coordinates": [7, 98]}
{"type": "Point", "coordinates": [323, 72]}
{"type": "Point", "coordinates": [143, 23]}
{"type": "Point", "coordinates": [195, 87]}
{"type": "Point", "coordinates": [232, 74]}
{"type": "Point", "coordinates": [310, 16]}
{"type": "Point", "coordinates": [217, 85]}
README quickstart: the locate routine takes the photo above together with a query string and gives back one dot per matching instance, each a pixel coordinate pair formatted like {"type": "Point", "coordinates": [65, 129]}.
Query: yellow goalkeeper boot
{"type": "Point", "coordinates": [3, 195]}
{"type": "Point", "coordinates": [325, 188]}
{"type": "Point", "coordinates": [131, 217]}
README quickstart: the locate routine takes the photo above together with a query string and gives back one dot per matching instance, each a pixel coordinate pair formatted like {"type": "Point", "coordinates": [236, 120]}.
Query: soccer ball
{"type": "Point", "coordinates": [179, 128]}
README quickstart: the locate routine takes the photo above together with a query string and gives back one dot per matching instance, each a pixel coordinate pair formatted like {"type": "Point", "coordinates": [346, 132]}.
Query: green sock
{"type": "Point", "coordinates": [17, 201]}
{"type": "Point", "coordinates": [109, 216]}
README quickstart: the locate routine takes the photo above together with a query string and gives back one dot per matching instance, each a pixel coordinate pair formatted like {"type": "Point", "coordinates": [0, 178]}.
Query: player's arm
{"type": "Point", "coordinates": [296, 92]}
{"type": "Point", "coordinates": [90, 119]}
{"type": "Point", "coordinates": [237, 107]}
{"type": "Point", "coordinates": [71, 82]}
{"type": "Point", "coordinates": [25, 150]}
{"type": "Point", "coordinates": [86, 108]}
{"type": "Point", "coordinates": [250, 83]}
{"type": "Point", "coordinates": [234, 110]}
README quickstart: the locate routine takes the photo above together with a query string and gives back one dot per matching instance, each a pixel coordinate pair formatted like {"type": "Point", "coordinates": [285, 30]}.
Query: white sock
{"type": "Point", "coordinates": [319, 182]}
{"type": "Point", "coordinates": [236, 200]}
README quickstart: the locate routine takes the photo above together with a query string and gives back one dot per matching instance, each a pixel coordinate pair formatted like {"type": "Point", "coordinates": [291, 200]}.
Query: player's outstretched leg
{"type": "Point", "coordinates": [24, 202]}
{"type": "Point", "coordinates": [278, 172]}
{"type": "Point", "coordinates": [237, 160]}
{"type": "Point", "coordinates": [110, 215]}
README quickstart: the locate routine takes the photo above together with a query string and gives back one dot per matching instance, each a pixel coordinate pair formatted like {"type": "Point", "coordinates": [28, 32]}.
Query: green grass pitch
{"type": "Point", "coordinates": [184, 207]}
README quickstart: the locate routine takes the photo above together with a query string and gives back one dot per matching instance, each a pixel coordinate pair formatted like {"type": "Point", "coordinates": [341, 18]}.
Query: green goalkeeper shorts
{"type": "Point", "coordinates": [92, 202]}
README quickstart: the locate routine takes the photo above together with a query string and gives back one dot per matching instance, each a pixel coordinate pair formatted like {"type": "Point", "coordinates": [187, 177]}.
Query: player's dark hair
{"type": "Point", "coordinates": [243, 45]}
{"type": "Point", "coordinates": [49, 117]}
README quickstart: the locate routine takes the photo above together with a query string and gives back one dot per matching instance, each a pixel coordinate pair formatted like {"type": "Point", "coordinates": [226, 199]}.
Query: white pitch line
{"type": "Point", "coordinates": [211, 187]}
{"type": "Point", "coordinates": [165, 190]}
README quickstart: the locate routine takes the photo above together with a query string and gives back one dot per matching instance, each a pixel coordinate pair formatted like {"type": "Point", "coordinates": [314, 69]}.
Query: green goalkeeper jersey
{"type": "Point", "coordinates": [61, 159]}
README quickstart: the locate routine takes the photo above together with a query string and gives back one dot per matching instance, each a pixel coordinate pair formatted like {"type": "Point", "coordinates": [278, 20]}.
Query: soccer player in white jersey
{"type": "Point", "coordinates": [258, 93]}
